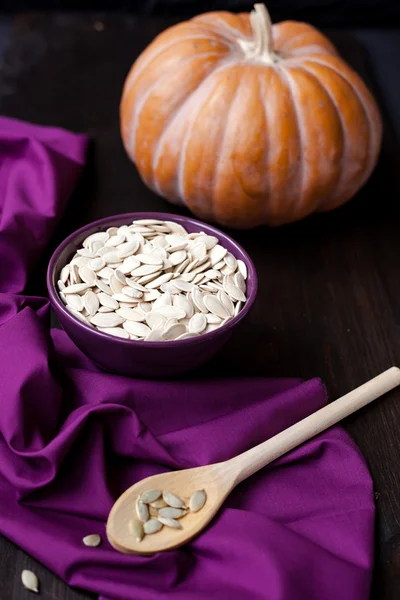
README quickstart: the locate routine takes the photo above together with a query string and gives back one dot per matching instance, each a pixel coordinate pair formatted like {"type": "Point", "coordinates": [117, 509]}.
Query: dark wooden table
{"type": "Point", "coordinates": [329, 298]}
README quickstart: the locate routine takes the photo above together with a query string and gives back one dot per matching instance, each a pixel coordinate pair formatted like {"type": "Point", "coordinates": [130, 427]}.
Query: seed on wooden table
{"type": "Point", "coordinates": [152, 526]}
{"type": "Point", "coordinates": [173, 500]}
{"type": "Point", "coordinates": [92, 540]}
{"type": "Point", "coordinates": [170, 522]}
{"type": "Point", "coordinates": [197, 500]}
{"type": "Point", "coordinates": [135, 528]}
{"type": "Point", "coordinates": [142, 510]}
{"type": "Point", "coordinates": [172, 513]}
{"type": "Point", "coordinates": [197, 323]}
{"type": "Point", "coordinates": [106, 320]}
{"type": "Point", "coordinates": [215, 306]}
{"type": "Point", "coordinates": [30, 581]}
{"type": "Point", "coordinates": [115, 331]}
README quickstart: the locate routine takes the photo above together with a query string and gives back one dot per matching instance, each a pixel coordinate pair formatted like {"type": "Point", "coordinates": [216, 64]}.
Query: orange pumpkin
{"type": "Point", "coordinates": [247, 123]}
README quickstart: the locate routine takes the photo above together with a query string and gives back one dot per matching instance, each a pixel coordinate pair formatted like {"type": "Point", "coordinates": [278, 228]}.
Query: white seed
{"type": "Point", "coordinates": [142, 510]}
{"type": "Point", "coordinates": [106, 300]}
{"type": "Point", "coordinates": [151, 295]}
{"type": "Point", "coordinates": [115, 240]}
{"type": "Point", "coordinates": [155, 335]}
{"type": "Point", "coordinates": [216, 254]}
{"type": "Point", "coordinates": [171, 513]}
{"type": "Point", "coordinates": [213, 318]}
{"type": "Point", "coordinates": [184, 303]}
{"type": "Point", "coordinates": [87, 275]}
{"type": "Point", "coordinates": [144, 307]}
{"type": "Point", "coordinates": [122, 298]}
{"type": "Point", "coordinates": [186, 336]}
{"type": "Point", "coordinates": [75, 301]}
{"type": "Point", "coordinates": [131, 292]}
{"type": "Point", "coordinates": [93, 540]}
{"type": "Point", "coordinates": [173, 331]}
{"type": "Point", "coordinates": [232, 290]}
{"type": "Point", "coordinates": [115, 284]}
{"type": "Point", "coordinates": [112, 257]}
{"type": "Point", "coordinates": [197, 500]}
{"type": "Point", "coordinates": [135, 528]}
{"type": "Point", "coordinates": [172, 312]}
{"type": "Point", "coordinates": [170, 522]}
{"type": "Point", "coordinates": [230, 261]}
{"type": "Point", "coordinates": [128, 248]}
{"type": "Point", "coordinates": [91, 302]}
{"type": "Point", "coordinates": [152, 526]}
{"type": "Point", "coordinates": [60, 285]}
{"type": "Point", "coordinates": [197, 323]}
{"type": "Point", "coordinates": [150, 496]}
{"type": "Point", "coordinates": [226, 301]}
{"type": "Point", "coordinates": [64, 274]}
{"type": "Point", "coordinates": [163, 300]}
{"type": "Point", "coordinates": [106, 320]}
{"type": "Point", "coordinates": [115, 331]}
{"type": "Point", "coordinates": [237, 308]}
{"type": "Point", "coordinates": [146, 278]}
{"type": "Point", "coordinates": [185, 286]}
{"type": "Point", "coordinates": [239, 281]}
{"type": "Point", "coordinates": [78, 315]}
{"type": "Point", "coordinates": [197, 298]}
{"type": "Point", "coordinates": [242, 268]}
{"type": "Point", "coordinates": [96, 264]}
{"type": "Point", "coordinates": [100, 236]}
{"type": "Point", "coordinates": [155, 320]}
{"type": "Point", "coordinates": [136, 328]}
{"type": "Point", "coordinates": [173, 500]}
{"type": "Point", "coordinates": [149, 259]}
{"type": "Point", "coordinates": [104, 287]}
{"type": "Point", "coordinates": [215, 306]}
{"type": "Point", "coordinates": [145, 270]}
{"type": "Point", "coordinates": [76, 288]}
{"type": "Point", "coordinates": [159, 281]}
{"type": "Point", "coordinates": [30, 581]}
{"type": "Point", "coordinates": [210, 241]}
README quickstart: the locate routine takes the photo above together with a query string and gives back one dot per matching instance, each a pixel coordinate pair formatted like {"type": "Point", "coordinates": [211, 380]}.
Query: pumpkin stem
{"type": "Point", "coordinates": [261, 47]}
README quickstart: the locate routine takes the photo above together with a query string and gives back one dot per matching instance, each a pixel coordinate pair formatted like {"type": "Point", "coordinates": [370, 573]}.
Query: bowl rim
{"type": "Point", "coordinates": [181, 219]}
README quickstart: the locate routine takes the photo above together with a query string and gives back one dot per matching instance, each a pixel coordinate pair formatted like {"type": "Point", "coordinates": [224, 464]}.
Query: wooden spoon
{"type": "Point", "coordinates": [219, 479]}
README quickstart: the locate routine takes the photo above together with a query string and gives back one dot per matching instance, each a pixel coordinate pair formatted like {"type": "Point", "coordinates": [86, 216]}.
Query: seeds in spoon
{"type": "Point", "coordinates": [93, 540]}
{"type": "Point", "coordinates": [173, 500]}
{"type": "Point", "coordinates": [159, 503]}
{"type": "Point", "coordinates": [30, 581]}
{"type": "Point", "coordinates": [197, 500]}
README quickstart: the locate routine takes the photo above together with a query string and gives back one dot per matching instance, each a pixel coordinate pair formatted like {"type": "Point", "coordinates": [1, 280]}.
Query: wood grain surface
{"type": "Point", "coordinates": [329, 297]}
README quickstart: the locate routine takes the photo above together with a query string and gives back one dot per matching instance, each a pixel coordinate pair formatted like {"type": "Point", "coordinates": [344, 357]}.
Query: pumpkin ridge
{"type": "Point", "coordinates": [372, 154]}
{"type": "Point", "coordinates": [219, 32]}
{"type": "Point", "coordinates": [180, 169]}
{"type": "Point", "coordinates": [263, 98]}
{"type": "Point", "coordinates": [286, 76]}
{"type": "Point", "coordinates": [132, 77]}
{"type": "Point", "coordinates": [345, 142]}
{"type": "Point", "coordinates": [158, 150]}
{"type": "Point", "coordinates": [140, 105]}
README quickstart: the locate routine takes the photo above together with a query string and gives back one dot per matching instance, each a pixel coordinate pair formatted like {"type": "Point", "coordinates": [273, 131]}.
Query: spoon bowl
{"type": "Point", "coordinates": [184, 483]}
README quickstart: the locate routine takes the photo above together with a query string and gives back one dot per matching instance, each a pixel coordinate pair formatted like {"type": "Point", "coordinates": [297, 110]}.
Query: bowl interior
{"type": "Point", "coordinates": [65, 251]}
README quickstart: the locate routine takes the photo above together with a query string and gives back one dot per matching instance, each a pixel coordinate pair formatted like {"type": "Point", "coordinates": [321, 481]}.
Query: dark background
{"type": "Point", "coordinates": [328, 13]}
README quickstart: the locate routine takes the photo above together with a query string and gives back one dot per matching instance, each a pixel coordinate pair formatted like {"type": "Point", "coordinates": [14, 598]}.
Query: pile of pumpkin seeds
{"type": "Point", "coordinates": [155, 509]}
{"type": "Point", "coordinates": [153, 281]}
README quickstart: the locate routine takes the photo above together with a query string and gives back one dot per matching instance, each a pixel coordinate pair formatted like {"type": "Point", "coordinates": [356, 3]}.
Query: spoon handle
{"type": "Point", "coordinates": [258, 457]}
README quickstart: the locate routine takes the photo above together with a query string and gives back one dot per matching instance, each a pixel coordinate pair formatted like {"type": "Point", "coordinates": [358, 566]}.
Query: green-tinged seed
{"type": "Point", "coordinates": [135, 527]}
{"type": "Point", "coordinates": [171, 513]}
{"type": "Point", "coordinates": [197, 500]}
{"type": "Point", "coordinates": [150, 496]}
{"type": "Point", "coordinates": [173, 500]}
{"type": "Point", "coordinates": [170, 523]}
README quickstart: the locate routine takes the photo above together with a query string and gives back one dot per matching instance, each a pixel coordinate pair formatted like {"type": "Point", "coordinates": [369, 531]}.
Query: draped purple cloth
{"type": "Point", "coordinates": [72, 438]}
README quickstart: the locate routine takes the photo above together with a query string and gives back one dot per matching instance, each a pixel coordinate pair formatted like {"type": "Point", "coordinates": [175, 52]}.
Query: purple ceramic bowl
{"type": "Point", "coordinates": [140, 358]}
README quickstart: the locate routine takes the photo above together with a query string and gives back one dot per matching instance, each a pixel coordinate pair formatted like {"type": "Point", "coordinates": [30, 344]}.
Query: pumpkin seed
{"type": "Point", "coordinates": [215, 306]}
{"type": "Point", "coordinates": [75, 301]}
{"type": "Point", "coordinates": [173, 331]}
{"type": "Point", "coordinates": [170, 522]}
{"type": "Point", "coordinates": [106, 320]}
{"type": "Point", "coordinates": [197, 323]}
{"type": "Point", "coordinates": [159, 503]}
{"type": "Point", "coordinates": [232, 290]}
{"type": "Point", "coordinates": [142, 511]}
{"type": "Point", "coordinates": [150, 496]}
{"type": "Point", "coordinates": [138, 329]}
{"type": "Point", "coordinates": [30, 581]}
{"type": "Point", "coordinates": [135, 527]}
{"type": "Point", "coordinates": [171, 513]}
{"type": "Point", "coordinates": [116, 332]}
{"type": "Point", "coordinates": [197, 500]}
{"type": "Point", "coordinates": [173, 500]}
{"type": "Point", "coordinates": [152, 526]}
{"type": "Point", "coordinates": [76, 288]}
{"type": "Point", "coordinates": [93, 540]}
{"type": "Point", "coordinates": [91, 302]}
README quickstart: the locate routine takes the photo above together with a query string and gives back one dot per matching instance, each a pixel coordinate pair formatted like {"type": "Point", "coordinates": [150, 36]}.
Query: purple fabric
{"type": "Point", "coordinates": [72, 438]}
